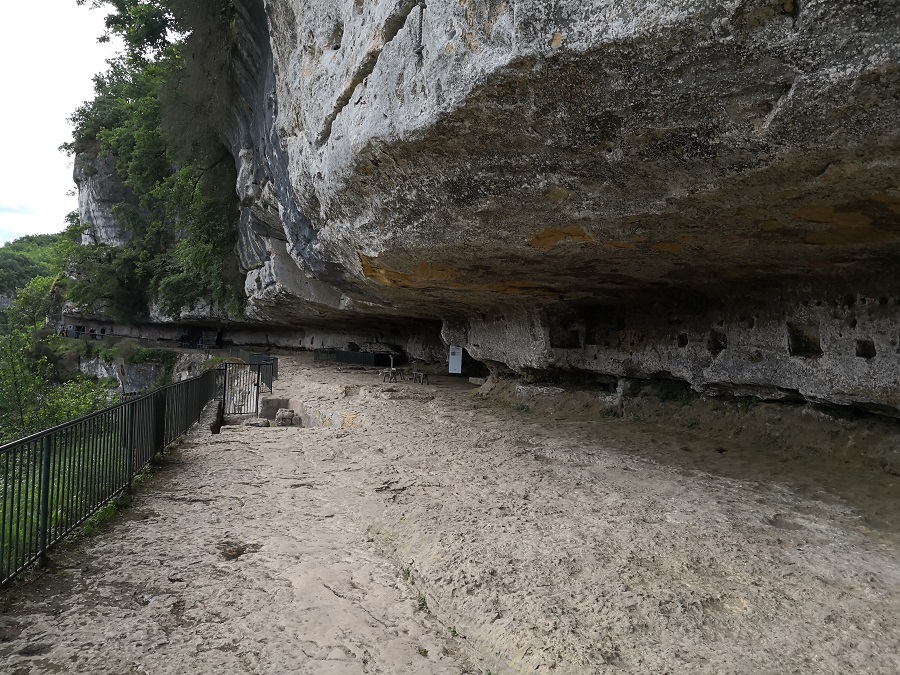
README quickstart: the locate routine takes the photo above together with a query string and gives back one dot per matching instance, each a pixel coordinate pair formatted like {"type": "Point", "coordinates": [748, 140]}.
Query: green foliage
{"type": "Point", "coordinates": [33, 304]}
{"type": "Point", "coordinates": [25, 258]}
{"type": "Point", "coordinates": [155, 114]}
{"type": "Point", "coordinates": [31, 397]}
{"type": "Point", "coordinates": [38, 248]}
{"type": "Point", "coordinates": [212, 363]}
{"type": "Point", "coordinates": [104, 280]}
{"type": "Point", "coordinates": [14, 268]}
{"type": "Point", "coordinates": [29, 402]}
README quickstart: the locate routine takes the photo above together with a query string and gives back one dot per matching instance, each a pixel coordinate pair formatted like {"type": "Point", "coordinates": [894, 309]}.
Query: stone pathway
{"type": "Point", "coordinates": [413, 529]}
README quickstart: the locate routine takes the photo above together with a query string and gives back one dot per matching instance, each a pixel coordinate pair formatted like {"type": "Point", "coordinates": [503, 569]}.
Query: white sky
{"type": "Point", "coordinates": [48, 55]}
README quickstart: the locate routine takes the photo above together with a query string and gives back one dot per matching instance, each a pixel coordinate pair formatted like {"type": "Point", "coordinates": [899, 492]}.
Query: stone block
{"type": "Point", "coordinates": [256, 422]}
{"type": "Point", "coordinates": [284, 417]}
{"type": "Point", "coordinates": [269, 406]}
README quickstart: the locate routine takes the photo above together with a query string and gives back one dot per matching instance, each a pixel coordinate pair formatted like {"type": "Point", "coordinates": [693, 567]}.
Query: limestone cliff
{"type": "Point", "coordinates": [99, 190]}
{"type": "Point", "coordinates": [705, 191]}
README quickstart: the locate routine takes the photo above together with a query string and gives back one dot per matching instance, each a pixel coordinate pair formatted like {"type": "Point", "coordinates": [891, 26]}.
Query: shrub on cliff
{"type": "Point", "coordinates": [182, 219]}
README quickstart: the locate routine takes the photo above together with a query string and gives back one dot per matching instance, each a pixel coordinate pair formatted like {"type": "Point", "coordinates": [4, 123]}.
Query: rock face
{"type": "Point", "coordinates": [99, 190]}
{"type": "Point", "coordinates": [705, 191]}
{"type": "Point", "coordinates": [133, 378]}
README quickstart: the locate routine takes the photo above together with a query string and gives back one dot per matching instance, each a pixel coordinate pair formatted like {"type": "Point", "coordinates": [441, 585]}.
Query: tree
{"type": "Point", "coordinates": [146, 26]}
{"type": "Point", "coordinates": [33, 303]}
{"type": "Point", "coordinates": [29, 402]}
{"type": "Point", "coordinates": [147, 115]}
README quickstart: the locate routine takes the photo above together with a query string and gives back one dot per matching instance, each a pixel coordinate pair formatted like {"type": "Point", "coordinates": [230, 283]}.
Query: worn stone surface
{"type": "Point", "coordinates": [462, 535]}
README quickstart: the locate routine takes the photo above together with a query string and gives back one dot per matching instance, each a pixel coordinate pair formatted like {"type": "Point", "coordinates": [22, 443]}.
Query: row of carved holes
{"type": "Point", "coordinates": [803, 341]}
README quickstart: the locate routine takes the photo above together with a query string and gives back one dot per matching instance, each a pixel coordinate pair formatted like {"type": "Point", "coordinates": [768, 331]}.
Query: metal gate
{"type": "Point", "coordinates": [241, 395]}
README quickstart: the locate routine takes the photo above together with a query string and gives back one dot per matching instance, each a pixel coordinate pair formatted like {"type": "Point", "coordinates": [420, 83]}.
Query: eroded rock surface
{"type": "Point", "coordinates": [451, 533]}
{"type": "Point", "coordinates": [99, 190]}
{"type": "Point", "coordinates": [705, 191]}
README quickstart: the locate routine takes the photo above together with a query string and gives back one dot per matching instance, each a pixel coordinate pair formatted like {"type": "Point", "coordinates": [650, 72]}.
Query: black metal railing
{"type": "Point", "coordinates": [325, 355]}
{"type": "Point", "coordinates": [53, 481]}
{"type": "Point", "coordinates": [255, 358]}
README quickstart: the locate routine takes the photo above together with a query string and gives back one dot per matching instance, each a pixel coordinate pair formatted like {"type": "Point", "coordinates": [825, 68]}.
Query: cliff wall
{"type": "Point", "coordinates": [705, 191]}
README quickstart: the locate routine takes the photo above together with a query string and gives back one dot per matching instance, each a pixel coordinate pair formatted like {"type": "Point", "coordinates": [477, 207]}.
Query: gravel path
{"type": "Point", "coordinates": [421, 533]}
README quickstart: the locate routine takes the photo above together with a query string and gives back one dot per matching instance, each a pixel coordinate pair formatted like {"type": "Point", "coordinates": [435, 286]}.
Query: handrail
{"type": "Point", "coordinates": [54, 480]}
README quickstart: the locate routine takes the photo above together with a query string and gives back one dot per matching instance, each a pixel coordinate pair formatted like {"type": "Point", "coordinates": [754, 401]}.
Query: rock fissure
{"type": "Point", "coordinates": [394, 24]}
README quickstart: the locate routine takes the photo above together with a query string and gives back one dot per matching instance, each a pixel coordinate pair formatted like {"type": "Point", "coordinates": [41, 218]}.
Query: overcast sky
{"type": "Point", "coordinates": [48, 55]}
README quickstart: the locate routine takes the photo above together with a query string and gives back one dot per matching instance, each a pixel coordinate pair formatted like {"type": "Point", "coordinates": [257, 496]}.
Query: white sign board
{"type": "Point", "coordinates": [455, 359]}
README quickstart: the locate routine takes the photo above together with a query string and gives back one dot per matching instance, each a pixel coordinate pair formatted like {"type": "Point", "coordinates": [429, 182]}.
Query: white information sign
{"type": "Point", "coordinates": [455, 359]}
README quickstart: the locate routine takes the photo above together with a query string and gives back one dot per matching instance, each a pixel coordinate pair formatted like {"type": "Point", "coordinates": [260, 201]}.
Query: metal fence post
{"type": "Point", "coordinates": [44, 526]}
{"type": "Point", "coordinates": [159, 410]}
{"type": "Point", "coordinates": [129, 445]}
{"type": "Point", "coordinates": [258, 373]}
{"type": "Point", "coordinates": [225, 407]}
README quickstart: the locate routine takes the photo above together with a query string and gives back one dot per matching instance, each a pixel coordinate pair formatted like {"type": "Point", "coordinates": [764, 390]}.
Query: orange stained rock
{"type": "Point", "coordinates": [423, 275]}
{"type": "Point", "coordinates": [770, 225]}
{"type": "Point", "coordinates": [846, 227]}
{"type": "Point", "coordinates": [431, 275]}
{"type": "Point", "coordinates": [846, 233]}
{"type": "Point", "coordinates": [893, 203]}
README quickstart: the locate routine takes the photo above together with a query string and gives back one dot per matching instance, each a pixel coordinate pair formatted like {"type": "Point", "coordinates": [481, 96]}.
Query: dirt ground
{"type": "Point", "coordinates": [436, 529]}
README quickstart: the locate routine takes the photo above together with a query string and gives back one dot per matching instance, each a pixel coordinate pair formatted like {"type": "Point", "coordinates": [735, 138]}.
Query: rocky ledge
{"type": "Point", "coordinates": [703, 191]}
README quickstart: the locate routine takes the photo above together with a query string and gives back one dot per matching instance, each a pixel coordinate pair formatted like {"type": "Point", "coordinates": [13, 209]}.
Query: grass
{"type": "Point", "coordinates": [97, 523]}
{"type": "Point", "coordinates": [422, 651]}
{"type": "Point", "coordinates": [422, 603]}
{"type": "Point", "coordinates": [406, 572]}
{"type": "Point", "coordinates": [70, 470]}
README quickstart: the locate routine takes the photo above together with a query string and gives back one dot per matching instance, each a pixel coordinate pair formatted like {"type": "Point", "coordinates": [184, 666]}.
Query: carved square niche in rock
{"type": "Point", "coordinates": [804, 341]}
{"type": "Point", "coordinates": [865, 349]}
